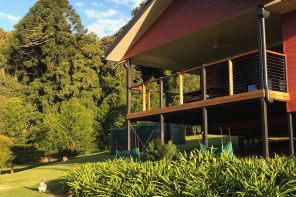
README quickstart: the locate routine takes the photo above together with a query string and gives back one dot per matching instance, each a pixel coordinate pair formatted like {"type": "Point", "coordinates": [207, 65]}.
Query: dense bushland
{"type": "Point", "coordinates": [192, 174]}
{"type": "Point", "coordinates": [57, 94]}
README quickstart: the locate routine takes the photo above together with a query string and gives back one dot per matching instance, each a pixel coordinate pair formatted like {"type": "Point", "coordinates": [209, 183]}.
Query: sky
{"type": "Point", "coordinates": [103, 17]}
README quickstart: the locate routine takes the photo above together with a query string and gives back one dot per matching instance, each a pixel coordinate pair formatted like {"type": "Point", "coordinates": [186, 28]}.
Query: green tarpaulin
{"type": "Point", "coordinates": [225, 148]}
{"type": "Point", "coordinates": [134, 153]}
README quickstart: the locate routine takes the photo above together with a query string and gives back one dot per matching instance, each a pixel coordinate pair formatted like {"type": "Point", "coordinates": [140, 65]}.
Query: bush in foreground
{"type": "Point", "coordinates": [192, 174]}
{"type": "Point", "coordinates": [157, 151]}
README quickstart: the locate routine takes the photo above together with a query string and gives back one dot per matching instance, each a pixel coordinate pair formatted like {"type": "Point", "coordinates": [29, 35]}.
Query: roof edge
{"type": "Point", "coordinates": [127, 28]}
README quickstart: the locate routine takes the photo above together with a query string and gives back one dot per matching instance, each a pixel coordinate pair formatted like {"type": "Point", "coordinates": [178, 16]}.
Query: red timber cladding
{"type": "Point", "coordinates": [289, 44]}
{"type": "Point", "coordinates": [184, 17]}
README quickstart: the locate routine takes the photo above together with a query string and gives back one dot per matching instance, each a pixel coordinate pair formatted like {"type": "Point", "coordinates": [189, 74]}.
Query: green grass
{"type": "Point", "coordinates": [193, 141]}
{"type": "Point", "coordinates": [24, 182]}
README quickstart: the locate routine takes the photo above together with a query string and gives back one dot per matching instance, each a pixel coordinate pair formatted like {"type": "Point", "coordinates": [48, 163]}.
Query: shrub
{"type": "Point", "coordinates": [192, 174]}
{"type": "Point", "coordinates": [157, 151]}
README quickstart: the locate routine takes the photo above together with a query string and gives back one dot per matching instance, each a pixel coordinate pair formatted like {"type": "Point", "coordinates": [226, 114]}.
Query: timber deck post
{"type": "Point", "coordinates": [291, 133]}
{"type": "Point", "coordinates": [128, 102]}
{"type": "Point", "coordinates": [181, 101]}
{"type": "Point", "coordinates": [204, 109]}
{"type": "Point", "coordinates": [161, 93]}
{"type": "Point", "coordinates": [144, 97]}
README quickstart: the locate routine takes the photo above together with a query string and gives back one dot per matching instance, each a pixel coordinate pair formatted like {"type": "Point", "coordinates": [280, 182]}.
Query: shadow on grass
{"type": "Point", "coordinates": [99, 157]}
{"type": "Point", "coordinates": [75, 160]}
{"type": "Point", "coordinates": [54, 187]}
{"type": "Point", "coordinates": [26, 167]}
{"type": "Point", "coordinates": [57, 187]}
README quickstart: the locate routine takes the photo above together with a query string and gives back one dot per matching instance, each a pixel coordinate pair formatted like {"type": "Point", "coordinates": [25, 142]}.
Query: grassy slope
{"type": "Point", "coordinates": [24, 183]}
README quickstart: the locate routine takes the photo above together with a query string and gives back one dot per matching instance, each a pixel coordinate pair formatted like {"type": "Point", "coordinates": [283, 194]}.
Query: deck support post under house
{"type": "Point", "coordinates": [161, 118]}
{"type": "Point", "coordinates": [128, 102]}
{"type": "Point", "coordinates": [264, 127]}
{"type": "Point", "coordinates": [291, 133]}
{"type": "Point", "coordinates": [204, 109]}
{"type": "Point", "coordinates": [262, 14]}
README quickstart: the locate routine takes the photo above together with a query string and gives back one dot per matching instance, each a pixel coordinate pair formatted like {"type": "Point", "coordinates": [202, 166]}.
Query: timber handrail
{"type": "Point", "coordinates": [140, 90]}
{"type": "Point", "coordinates": [206, 65]}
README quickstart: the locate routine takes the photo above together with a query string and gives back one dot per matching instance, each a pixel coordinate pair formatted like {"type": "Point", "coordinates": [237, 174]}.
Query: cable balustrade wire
{"type": "Point", "coordinates": [234, 75]}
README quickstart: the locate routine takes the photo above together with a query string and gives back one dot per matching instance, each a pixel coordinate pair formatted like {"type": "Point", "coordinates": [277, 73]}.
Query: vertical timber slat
{"type": "Point", "coordinates": [291, 134]}
{"type": "Point", "coordinates": [144, 97]}
{"type": "Point", "coordinates": [181, 89]}
{"type": "Point", "coordinates": [148, 99]}
{"type": "Point", "coordinates": [230, 71]}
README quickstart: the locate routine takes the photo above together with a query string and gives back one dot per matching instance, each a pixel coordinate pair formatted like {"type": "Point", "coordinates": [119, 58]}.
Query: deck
{"type": "Point", "coordinates": [275, 95]}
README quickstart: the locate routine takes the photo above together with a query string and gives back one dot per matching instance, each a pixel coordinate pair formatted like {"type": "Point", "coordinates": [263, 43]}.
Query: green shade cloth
{"type": "Point", "coordinates": [225, 148]}
{"type": "Point", "coordinates": [134, 153]}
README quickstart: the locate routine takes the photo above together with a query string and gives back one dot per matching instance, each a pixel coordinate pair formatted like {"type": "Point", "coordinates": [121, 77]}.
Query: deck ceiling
{"type": "Point", "coordinates": [238, 33]}
{"type": "Point", "coordinates": [283, 7]}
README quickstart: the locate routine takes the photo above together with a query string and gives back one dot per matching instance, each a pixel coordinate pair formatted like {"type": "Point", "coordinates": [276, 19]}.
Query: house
{"type": "Point", "coordinates": [244, 53]}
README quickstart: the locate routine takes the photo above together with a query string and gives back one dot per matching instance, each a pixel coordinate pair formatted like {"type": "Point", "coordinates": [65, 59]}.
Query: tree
{"type": "Point", "coordinates": [3, 47]}
{"type": "Point", "coordinates": [17, 120]}
{"type": "Point", "coordinates": [70, 130]}
{"type": "Point", "coordinates": [6, 155]}
{"type": "Point", "coordinates": [51, 53]}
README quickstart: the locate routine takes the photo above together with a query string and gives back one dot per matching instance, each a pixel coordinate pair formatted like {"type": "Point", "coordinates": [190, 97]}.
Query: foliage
{"type": "Point", "coordinates": [192, 174]}
{"type": "Point", "coordinates": [51, 53]}
{"type": "Point", "coordinates": [50, 59]}
{"type": "Point", "coordinates": [17, 120]}
{"type": "Point", "coordinates": [157, 151]}
{"type": "Point", "coordinates": [69, 131]}
{"type": "Point", "coordinates": [6, 155]}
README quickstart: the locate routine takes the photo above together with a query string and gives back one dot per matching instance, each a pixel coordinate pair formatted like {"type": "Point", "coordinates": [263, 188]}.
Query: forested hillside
{"type": "Point", "coordinates": [56, 92]}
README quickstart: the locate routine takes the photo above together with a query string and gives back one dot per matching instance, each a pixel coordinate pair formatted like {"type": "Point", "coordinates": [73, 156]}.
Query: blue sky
{"type": "Point", "coordinates": [103, 17]}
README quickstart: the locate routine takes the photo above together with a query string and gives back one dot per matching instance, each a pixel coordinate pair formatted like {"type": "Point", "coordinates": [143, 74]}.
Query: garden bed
{"type": "Point", "coordinates": [192, 174]}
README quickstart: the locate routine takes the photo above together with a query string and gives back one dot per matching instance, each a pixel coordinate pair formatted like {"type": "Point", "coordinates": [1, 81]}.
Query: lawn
{"type": "Point", "coordinates": [24, 182]}
{"type": "Point", "coordinates": [192, 142]}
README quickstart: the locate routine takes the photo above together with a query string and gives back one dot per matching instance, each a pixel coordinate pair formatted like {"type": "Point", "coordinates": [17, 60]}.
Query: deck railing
{"type": "Point", "coordinates": [229, 76]}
